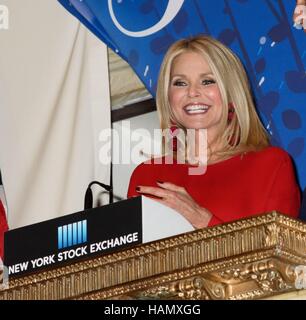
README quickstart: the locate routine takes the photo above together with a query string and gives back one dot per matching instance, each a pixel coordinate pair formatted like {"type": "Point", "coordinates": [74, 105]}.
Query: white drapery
{"type": "Point", "coordinates": [54, 102]}
{"type": "Point", "coordinates": [125, 86]}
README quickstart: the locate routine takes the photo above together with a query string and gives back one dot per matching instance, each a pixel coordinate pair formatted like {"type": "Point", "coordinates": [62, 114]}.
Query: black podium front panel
{"type": "Point", "coordinates": [73, 237]}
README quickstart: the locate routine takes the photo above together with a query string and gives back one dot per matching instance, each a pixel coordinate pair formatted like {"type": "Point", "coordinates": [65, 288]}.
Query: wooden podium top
{"type": "Point", "coordinates": [247, 259]}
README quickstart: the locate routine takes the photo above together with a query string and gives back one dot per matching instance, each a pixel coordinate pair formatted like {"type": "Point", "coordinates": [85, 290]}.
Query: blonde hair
{"type": "Point", "coordinates": [245, 131]}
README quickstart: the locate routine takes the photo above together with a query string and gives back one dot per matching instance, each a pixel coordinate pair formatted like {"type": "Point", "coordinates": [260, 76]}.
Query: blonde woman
{"type": "Point", "coordinates": [203, 87]}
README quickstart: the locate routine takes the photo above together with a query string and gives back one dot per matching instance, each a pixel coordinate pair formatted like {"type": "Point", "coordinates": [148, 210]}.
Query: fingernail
{"type": "Point", "coordinates": [137, 188]}
{"type": "Point", "coordinates": [158, 181]}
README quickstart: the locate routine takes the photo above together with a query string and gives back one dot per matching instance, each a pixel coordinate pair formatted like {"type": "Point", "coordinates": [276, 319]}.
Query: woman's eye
{"type": "Point", "coordinates": [179, 83]}
{"type": "Point", "coordinates": [208, 81]}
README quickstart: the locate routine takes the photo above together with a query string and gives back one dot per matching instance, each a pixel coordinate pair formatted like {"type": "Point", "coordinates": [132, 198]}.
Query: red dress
{"type": "Point", "coordinates": [239, 187]}
{"type": "Point", "coordinates": [3, 228]}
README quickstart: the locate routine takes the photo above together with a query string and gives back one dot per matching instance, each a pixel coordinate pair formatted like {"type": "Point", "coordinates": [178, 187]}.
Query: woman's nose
{"type": "Point", "coordinates": [193, 90]}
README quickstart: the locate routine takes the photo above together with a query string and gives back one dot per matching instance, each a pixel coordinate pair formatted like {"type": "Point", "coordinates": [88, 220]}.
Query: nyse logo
{"type": "Point", "coordinates": [72, 234]}
{"type": "Point", "coordinates": [171, 12]}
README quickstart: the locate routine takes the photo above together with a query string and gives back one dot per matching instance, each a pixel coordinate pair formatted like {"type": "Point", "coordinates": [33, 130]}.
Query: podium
{"type": "Point", "coordinates": [261, 257]}
{"type": "Point", "coordinates": [89, 233]}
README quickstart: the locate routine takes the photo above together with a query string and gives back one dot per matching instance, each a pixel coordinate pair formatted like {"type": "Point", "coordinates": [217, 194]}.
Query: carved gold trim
{"type": "Point", "coordinates": [245, 259]}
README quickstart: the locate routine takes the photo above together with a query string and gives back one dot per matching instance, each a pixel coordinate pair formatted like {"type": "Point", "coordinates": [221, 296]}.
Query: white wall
{"type": "Point", "coordinates": [140, 129]}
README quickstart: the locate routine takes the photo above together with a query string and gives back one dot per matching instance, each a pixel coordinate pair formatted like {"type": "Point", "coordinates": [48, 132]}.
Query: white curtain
{"type": "Point", "coordinates": [54, 101]}
{"type": "Point", "coordinates": [125, 86]}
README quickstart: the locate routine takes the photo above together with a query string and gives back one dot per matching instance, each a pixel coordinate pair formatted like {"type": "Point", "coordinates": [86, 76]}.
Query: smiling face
{"type": "Point", "coordinates": [194, 95]}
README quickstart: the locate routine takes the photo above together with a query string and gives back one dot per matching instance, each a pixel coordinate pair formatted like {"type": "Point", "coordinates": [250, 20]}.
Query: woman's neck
{"type": "Point", "coordinates": [202, 148]}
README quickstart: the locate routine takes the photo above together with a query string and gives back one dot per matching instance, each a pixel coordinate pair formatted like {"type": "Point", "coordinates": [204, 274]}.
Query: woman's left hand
{"type": "Point", "coordinates": [179, 199]}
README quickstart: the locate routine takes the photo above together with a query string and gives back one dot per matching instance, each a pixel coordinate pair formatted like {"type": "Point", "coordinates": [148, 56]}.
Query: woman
{"type": "Point", "coordinates": [203, 86]}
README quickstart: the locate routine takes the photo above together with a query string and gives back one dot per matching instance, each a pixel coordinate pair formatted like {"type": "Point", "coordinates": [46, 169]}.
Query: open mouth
{"type": "Point", "coordinates": [196, 109]}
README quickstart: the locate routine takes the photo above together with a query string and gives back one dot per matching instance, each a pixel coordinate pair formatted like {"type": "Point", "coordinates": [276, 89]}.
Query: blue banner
{"type": "Point", "coordinates": [261, 32]}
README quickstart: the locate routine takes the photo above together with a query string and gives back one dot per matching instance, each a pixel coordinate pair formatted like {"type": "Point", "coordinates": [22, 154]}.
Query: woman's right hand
{"type": "Point", "coordinates": [177, 198]}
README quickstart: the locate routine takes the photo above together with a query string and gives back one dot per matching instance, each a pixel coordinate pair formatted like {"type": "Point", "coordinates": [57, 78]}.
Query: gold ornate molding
{"type": "Point", "coordinates": [246, 259]}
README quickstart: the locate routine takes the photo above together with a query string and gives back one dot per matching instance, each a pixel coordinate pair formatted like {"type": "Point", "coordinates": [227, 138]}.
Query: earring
{"type": "Point", "coordinates": [231, 112]}
{"type": "Point", "coordinates": [173, 133]}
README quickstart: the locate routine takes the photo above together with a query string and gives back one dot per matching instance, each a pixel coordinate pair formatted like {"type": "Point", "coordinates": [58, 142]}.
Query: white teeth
{"type": "Point", "coordinates": [196, 111]}
{"type": "Point", "coordinates": [196, 108]}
